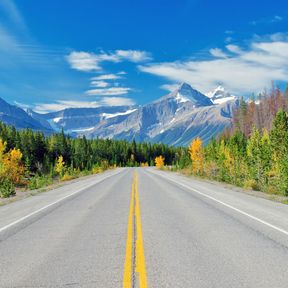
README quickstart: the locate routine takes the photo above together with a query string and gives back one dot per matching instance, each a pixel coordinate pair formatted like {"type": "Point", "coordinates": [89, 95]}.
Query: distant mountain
{"type": "Point", "coordinates": [173, 119]}
{"type": "Point", "coordinates": [185, 93]}
{"type": "Point", "coordinates": [13, 115]}
{"type": "Point", "coordinates": [81, 120]}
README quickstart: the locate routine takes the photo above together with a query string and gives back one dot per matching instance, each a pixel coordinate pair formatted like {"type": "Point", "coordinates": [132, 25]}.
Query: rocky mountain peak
{"type": "Point", "coordinates": [185, 93]}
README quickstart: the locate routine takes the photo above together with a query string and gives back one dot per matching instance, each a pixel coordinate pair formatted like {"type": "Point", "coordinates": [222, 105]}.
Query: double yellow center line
{"type": "Point", "coordinates": [134, 267]}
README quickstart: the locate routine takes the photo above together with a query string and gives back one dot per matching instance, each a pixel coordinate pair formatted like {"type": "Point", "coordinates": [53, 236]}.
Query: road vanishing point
{"type": "Point", "coordinates": [142, 227]}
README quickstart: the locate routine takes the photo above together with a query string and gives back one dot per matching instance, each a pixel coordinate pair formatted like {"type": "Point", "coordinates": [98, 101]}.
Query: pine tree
{"type": "Point", "coordinates": [279, 145]}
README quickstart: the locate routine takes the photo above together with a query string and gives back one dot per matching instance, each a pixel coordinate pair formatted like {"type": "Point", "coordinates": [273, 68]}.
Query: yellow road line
{"type": "Point", "coordinates": [140, 257]}
{"type": "Point", "coordinates": [135, 218]}
{"type": "Point", "coordinates": [127, 277]}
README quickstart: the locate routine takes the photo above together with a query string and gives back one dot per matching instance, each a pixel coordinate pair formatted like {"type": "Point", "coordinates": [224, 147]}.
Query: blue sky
{"type": "Point", "coordinates": [58, 54]}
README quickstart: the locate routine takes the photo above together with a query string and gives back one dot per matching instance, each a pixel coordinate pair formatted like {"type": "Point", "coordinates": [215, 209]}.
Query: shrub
{"type": "Point", "coordinates": [97, 169]}
{"type": "Point", "coordinates": [39, 182]}
{"type": "Point", "coordinates": [251, 184]}
{"type": "Point", "coordinates": [7, 188]}
{"type": "Point", "coordinates": [67, 177]}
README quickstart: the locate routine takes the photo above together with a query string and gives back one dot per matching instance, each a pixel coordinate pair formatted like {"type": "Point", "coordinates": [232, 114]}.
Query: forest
{"type": "Point", "coordinates": [30, 160]}
{"type": "Point", "coordinates": [253, 153]}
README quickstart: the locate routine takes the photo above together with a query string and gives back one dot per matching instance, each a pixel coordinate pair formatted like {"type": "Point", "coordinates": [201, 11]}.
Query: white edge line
{"type": "Point", "coordinates": [225, 204]}
{"type": "Point", "coordinates": [54, 203]}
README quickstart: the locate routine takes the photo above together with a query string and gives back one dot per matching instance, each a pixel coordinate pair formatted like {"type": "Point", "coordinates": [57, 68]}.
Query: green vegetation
{"type": "Point", "coordinates": [252, 154]}
{"type": "Point", "coordinates": [32, 160]}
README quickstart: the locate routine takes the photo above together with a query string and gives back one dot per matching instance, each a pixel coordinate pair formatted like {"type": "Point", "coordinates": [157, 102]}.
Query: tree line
{"type": "Point", "coordinates": [42, 158]}
{"type": "Point", "coordinates": [252, 153]}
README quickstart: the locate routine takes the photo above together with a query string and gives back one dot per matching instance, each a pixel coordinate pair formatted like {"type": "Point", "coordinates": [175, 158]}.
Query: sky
{"type": "Point", "coordinates": [59, 54]}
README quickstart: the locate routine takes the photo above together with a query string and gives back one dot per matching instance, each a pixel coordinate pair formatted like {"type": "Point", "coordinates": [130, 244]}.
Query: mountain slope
{"type": "Point", "coordinates": [13, 115]}
{"type": "Point", "coordinates": [81, 120]}
{"type": "Point", "coordinates": [173, 119]}
{"type": "Point", "coordinates": [185, 93]}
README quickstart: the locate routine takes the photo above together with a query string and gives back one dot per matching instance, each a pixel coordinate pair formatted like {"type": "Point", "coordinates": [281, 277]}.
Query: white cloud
{"type": "Point", "coordinates": [169, 87]}
{"type": "Point", "coordinates": [108, 91]}
{"type": "Point", "coordinates": [83, 61]}
{"type": "Point", "coordinates": [278, 37]}
{"type": "Point", "coordinates": [277, 18]}
{"type": "Point", "coordinates": [62, 104]}
{"type": "Point", "coordinates": [22, 105]}
{"type": "Point", "coordinates": [251, 70]}
{"type": "Point", "coordinates": [106, 77]}
{"type": "Point", "coordinates": [268, 20]}
{"type": "Point", "coordinates": [216, 52]}
{"type": "Point", "coordinates": [99, 84]}
{"type": "Point", "coordinates": [134, 55]}
{"type": "Point", "coordinates": [234, 49]}
{"type": "Point", "coordinates": [117, 101]}
{"type": "Point", "coordinates": [88, 62]}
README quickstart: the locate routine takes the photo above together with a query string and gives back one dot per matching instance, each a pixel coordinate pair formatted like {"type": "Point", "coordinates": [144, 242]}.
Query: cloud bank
{"type": "Point", "coordinates": [89, 62]}
{"type": "Point", "coordinates": [241, 70]}
{"type": "Point", "coordinates": [62, 104]}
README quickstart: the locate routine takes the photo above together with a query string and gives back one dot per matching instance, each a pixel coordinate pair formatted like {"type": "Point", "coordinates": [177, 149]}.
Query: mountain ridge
{"type": "Point", "coordinates": [174, 119]}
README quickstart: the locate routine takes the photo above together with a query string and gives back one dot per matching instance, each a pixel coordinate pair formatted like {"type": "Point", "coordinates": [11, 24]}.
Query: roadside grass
{"type": "Point", "coordinates": [43, 183]}
{"type": "Point", "coordinates": [249, 187]}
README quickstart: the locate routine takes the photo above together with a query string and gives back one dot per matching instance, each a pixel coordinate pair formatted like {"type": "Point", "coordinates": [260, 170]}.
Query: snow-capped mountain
{"type": "Point", "coordinates": [185, 93]}
{"type": "Point", "coordinates": [219, 95]}
{"type": "Point", "coordinates": [81, 120]}
{"type": "Point", "coordinates": [173, 119]}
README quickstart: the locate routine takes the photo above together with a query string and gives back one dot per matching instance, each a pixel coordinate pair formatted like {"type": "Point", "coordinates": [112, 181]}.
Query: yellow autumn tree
{"type": "Point", "coordinates": [14, 169]}
{"type": "Point", "coordinates": [2, 149]}
{"type": "Point", "coordinates": [145, 164]}
{"type": "Point", "coordinates": [197, 155]}
{"type": "Point", "coordinates": [60, 166]}
{"type": "Point", "coordinates": [160, 161]}
{"type": "Point", "coordinates": [11, 166]}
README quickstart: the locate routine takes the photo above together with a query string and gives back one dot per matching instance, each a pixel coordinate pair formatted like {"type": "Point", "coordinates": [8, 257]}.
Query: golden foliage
{"type": "Point", "coordinates": [60, 165]}
{"type": "Point", "coordinates": [97, 170]}
{"type": "Point", "coordinates": [11, 166]}
{"type": "Point", "coordinates": [160, 161]}
{"type": "Point", "coordinates": [197, 155]}
{"type": "Point", "coordinates": [67, 177]}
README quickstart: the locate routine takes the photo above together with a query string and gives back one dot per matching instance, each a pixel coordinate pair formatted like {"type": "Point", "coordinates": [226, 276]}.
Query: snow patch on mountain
{"type": "Point", "coordinates": [107, 115]}
{"type": "Point", "coordinates": [186, 94]}
{"type": "Point", "coordinates": [57, 119]}
{"type": "Point", "coordinates": [81, 130]}
{"type": "Point", "coordinates": [181, 99]}
{"type": "Point", "coordinates": [219, 95]}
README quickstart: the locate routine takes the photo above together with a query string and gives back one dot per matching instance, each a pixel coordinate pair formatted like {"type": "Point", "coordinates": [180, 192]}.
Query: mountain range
{"type": "Point", "coordinates": [174, 119]}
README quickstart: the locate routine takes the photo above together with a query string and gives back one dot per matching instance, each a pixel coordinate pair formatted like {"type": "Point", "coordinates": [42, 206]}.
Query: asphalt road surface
{"type": "Point", "coordinates": [143, 228]}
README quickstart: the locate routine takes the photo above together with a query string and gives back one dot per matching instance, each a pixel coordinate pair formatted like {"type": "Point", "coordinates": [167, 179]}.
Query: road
{"type": "Point", "coordinates": [143, 228]}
